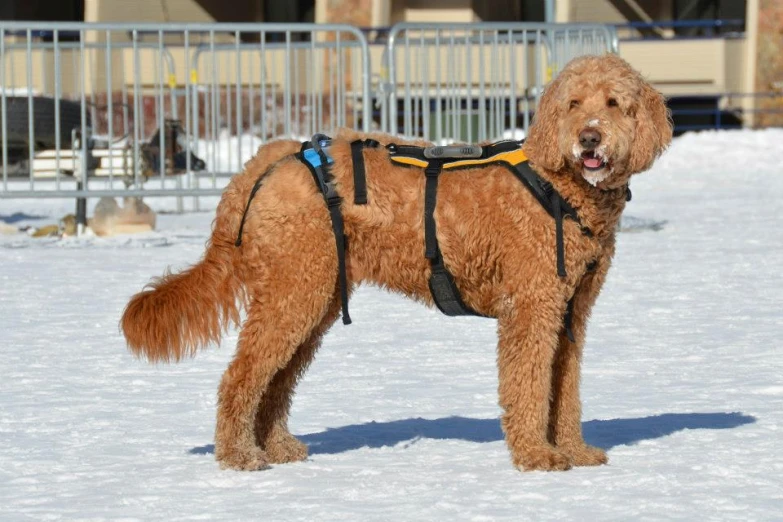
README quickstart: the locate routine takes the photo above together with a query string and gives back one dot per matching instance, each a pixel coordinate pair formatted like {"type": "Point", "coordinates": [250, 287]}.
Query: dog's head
{"type": "Point", "coordinates": [601, 120]}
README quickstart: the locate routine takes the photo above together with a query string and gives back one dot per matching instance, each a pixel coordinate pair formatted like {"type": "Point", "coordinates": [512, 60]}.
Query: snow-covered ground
{"type": "Point", "coordinates": [682, 383]}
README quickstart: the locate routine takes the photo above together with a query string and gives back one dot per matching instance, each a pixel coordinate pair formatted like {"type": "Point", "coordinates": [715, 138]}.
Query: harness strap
{"type": "Point", "coordinates": [316, 160]}
{"type": "Point", "coordinates": [334, 203]}
{"type": "Point", "coordinates": [359, 174]}
{"type": "Point", "coordinates": [256, 186]}
{"type": "Point", "coordinates": [442, 285]}
{"type": "Point", "coordinates": [432, 172]}
{"type": "Point", "coordinates": [557, 213]}
{"type": "Point", "coordinates": [554, 204]}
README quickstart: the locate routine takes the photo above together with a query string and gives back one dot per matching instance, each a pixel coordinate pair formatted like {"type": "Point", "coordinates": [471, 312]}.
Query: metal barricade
{"type": "Point", "coordinates": [473, 82]}
{"type": "Point", "coordinates": [290, 83]}
{"type": "Point", "coordinates": [92, 110]}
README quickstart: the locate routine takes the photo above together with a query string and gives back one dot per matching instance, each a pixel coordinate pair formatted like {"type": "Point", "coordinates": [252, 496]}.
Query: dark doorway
{"type": "Point", "coordinates": [42, 10]}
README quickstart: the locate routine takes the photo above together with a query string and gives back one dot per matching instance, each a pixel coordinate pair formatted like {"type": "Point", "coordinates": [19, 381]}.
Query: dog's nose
{"type": "Point", "coordinates": [589, 139]}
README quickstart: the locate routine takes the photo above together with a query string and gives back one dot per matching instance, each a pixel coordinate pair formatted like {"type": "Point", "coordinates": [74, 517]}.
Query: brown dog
{"type": "Point", "coordinates": [597, 124]}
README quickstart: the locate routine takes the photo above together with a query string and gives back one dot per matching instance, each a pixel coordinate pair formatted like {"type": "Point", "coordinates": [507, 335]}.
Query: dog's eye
{"type": "Point", "coordinates": [574, 104]}
{"type": "Point", "coordinates": [611, 102]}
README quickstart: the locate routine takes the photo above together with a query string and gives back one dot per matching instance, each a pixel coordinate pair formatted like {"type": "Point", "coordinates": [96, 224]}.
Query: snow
{"type": "Point", "coordinates": [681, 378]}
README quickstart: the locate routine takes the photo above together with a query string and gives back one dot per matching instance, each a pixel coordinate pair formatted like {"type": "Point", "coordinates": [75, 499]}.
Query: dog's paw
{"type": "Point", "coordinates": [254, 459]}
{"type": "Point", "coordinates": [542, 458]}
{"type": "Point", "coordinates": [584, 454]}
{"type": "Point", "coordinates": [282, 447]}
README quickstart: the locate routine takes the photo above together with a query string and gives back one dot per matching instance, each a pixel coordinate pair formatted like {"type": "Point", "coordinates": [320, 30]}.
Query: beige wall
{"type": "Point", "coordinates": [153, 11]}
{"type": "Point", "coordinates": [703, 66]}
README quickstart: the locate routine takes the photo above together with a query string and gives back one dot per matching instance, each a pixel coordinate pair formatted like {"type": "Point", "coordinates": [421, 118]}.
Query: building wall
{"type": "Point", "coordinates": [152, 11]}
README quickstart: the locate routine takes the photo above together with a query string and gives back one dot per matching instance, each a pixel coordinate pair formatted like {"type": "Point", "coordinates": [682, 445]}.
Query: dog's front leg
{"type": "Point", "coordinates": [526, 348]}
{"type": "Point", "coordinates": [565, 428]}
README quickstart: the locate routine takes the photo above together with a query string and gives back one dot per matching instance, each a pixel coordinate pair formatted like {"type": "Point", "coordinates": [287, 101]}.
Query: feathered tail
{"type": "Point", "coordinates": [177, 314]}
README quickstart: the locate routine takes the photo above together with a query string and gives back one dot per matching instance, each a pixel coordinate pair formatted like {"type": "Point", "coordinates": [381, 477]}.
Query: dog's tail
{"type": "Point", "coordinates": [177, 314]}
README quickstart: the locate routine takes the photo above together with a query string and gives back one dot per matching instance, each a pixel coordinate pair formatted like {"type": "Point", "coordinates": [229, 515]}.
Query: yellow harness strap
{"type": "Point", "coordinates": [513, 157]}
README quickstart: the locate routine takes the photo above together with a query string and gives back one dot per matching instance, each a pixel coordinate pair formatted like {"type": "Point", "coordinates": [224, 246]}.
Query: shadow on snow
{"type": "Point", "coordinates": [605, 434]}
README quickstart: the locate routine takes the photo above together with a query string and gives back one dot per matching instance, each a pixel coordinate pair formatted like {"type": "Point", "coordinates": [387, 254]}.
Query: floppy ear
{"type": "Point", "coordinates": [542, 136]}
{"type": "Point", "coordinates": [653, 130]}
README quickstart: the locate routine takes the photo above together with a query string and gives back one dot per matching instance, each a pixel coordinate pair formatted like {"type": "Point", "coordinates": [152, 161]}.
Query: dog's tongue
{"type": "Point", "coordinates": [592, 163]}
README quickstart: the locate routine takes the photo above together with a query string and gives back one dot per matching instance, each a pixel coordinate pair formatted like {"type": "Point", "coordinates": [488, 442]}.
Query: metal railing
{"type": "Point", "coordinates": [93, 110]}
{"type": "Point", "coordinates": [469, 82]}
{"type": "Point", "coordinates": [165, 109]}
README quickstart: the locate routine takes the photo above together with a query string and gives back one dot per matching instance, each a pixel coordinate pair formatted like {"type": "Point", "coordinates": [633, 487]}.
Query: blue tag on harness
{"type": "Point", "coordinates": [314, 159]}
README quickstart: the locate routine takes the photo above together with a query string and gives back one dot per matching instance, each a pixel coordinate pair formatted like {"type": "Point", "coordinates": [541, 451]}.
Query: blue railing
{"type": "Point", "coordinates": [682, 29]}
{"type": "Point", "coordinates": [730, 116]}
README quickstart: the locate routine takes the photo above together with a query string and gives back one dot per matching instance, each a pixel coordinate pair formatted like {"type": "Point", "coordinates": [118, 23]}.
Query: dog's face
{"type": "Point", "coordinates": [599, 120]}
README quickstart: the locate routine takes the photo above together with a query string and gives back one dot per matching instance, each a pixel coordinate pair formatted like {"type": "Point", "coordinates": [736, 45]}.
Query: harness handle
{"type": "Point", "coordinates": [453, 151]}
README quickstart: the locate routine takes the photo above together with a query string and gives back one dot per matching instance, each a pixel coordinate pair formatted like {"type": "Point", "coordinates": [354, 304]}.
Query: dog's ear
{"type": "Point", "coordinates": [653, 129]}
{"type": "Point", "coordinates": [542, 136]}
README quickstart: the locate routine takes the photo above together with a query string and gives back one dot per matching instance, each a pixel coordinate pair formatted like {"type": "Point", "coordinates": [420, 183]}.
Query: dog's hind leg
{"type": "Point", "coordinates": [289, 298]}
{"type": "Point", "coordinates": [271, 423]}
{"type": "Point", "coordinates": [565, 422]}
{"type": "Point", "coordinates": [528, 335]}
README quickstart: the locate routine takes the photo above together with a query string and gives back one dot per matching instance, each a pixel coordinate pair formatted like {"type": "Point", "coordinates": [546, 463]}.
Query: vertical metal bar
{"type": "Point", "coordinates": [136, 107]}
{"type": "Point", "coordinates": [288, 83]}
{"type": "Point", "coordinates": [332, 88]}
{"type": "Point", "coordinates": [469, 112]}
{"type": "Point", "coordinates": [251, 124]}
{"type": "Point", "coordinates": [408, 127]}
{"type": "Point", "coordinates": [456, 76]}
{"type": "Point", "coordinates": [81, 207]}
{"type": "Point", "coordinates": [172, 81]}
{"type": "Point", "coordinates": [193, 97]}
{"type": "Point", "coordinates": [238, 91]}
{"type": "Point", "coordinates": [366, 96]}
{"type": "Point", "coordinates": [125, 105]}
{"type": "Point", "coordinates": [214, 82]}
{"type": "Point", "coordinates": [263, 83]}
{"type": "Point", "coordinates": [438, 93]}
{"type": "Point", "coordinates": [355, 82]}
{"type": "Point", "coordinates": [93, 57]}
{"type": "Point", "coordinates": [537, 71]}
{"type": "Point", "coordinates": [192, 180]}
{"type": "Point", "coordinates": [57, 96]}
{"type": "Point", "coordinates": [424, 57]}
{"type": "Point", "coordinates": [109, 105]}
{"type": "Point", "coordinates": [296, 92]}
{"type": "Point", "coordinates": [340, 81]}
{"type": "Point", "coordinates": [525, 79]}
{"type": "Point", "coordinates": [30, 119]}
{"type": "Point", "coordinates": [311, 87]}
{"type": "Point", "coordinates": [392, 68]}
{"type": "Point", "coordinates": [75, 67]}
{"type": "Point", "coordinates": [159, 107]}
{"type": "Point", "coordinates": [512, 84]}
{"type": "Point", "coordinates": [424, 84]}
{"type": "Point", "coordinates": [498, 90]}
{"type": "Point", "coordinates": [229, 110]}
{"type": "Point", "coordinates": [482, 92]}
{"type": "Point", "coordinates": [492, 108]}
{"type": "Point", "coordinates": [3, 112]}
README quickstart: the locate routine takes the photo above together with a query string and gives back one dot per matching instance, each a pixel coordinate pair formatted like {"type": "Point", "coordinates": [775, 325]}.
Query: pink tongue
{"type": "Point", "coordinates": [592, 163]}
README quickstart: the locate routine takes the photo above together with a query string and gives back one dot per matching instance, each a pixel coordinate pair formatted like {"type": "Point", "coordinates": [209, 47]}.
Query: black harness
{"type": "Point", "coordinates": [434, 160]}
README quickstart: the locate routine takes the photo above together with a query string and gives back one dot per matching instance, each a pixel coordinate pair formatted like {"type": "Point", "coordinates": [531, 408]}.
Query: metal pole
{"type": "Point", "coordinates": [549, 11]}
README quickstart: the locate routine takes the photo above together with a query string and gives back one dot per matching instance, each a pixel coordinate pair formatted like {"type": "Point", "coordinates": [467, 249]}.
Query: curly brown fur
{"type": "Point", "coordinates": [285, 271]}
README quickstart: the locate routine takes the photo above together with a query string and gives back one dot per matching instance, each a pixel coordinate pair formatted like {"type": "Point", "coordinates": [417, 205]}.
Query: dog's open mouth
{"type": "Point", "coordinates": [592, 161]}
